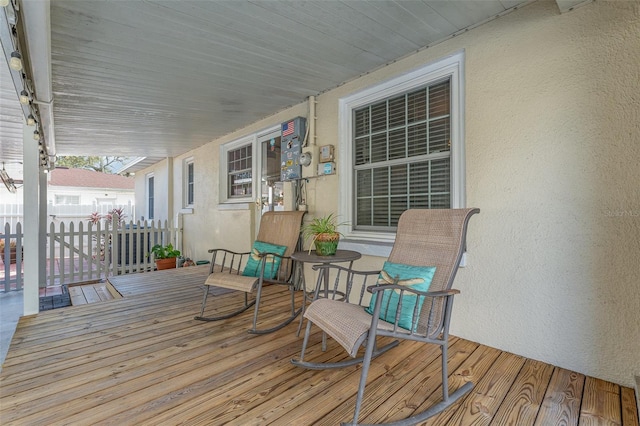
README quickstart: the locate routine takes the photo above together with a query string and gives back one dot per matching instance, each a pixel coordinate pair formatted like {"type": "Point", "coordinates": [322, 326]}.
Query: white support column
{"type": "Point", "coordinates": [42, 231]}
{"type": "Point", "coordinates": [33, 216]}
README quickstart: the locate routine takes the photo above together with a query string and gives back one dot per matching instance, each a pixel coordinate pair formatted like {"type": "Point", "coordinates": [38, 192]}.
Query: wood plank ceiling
{"type": "Point", "coordinates": [158, 78]}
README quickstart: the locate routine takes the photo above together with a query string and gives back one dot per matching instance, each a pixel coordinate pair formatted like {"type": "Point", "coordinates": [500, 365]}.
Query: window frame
{"type": "Point", "coordinates": [224, 169]}
{"type": "Point", "coordinates": [65, 200]}
{"type": "Point", "coordinates": [186, 202]}
{"type": "Point", "coordinates": [255, 139]}
{"type": "Point", "coordinates": [451, 67]}
{"type": "Point", "coordinates": [150, 196]}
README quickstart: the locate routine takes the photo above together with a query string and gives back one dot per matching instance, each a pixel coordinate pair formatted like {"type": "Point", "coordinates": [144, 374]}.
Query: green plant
{"type": "Point", "coordinates": [164, 252]}
{"type": "Point", "coordinates": [324, 233]}
{"type": "Point", "coordinates": [321, 225]}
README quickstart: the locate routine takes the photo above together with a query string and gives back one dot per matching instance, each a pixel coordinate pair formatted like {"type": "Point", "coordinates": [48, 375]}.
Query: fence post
{"type": "Point", "coordinates": [19, 252]}
{"type": "Point", "coordinates": [7, 265]}
{"type": "Point", "coordinates": [52, 253]}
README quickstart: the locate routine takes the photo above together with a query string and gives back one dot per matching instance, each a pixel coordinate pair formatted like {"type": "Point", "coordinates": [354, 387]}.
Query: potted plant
{"type": "Point", "coordinates": [165, 256]}
{"type": "Point", "coordinates": [324, 233]}
{"type": "Point", "coordinates": [12, 251]}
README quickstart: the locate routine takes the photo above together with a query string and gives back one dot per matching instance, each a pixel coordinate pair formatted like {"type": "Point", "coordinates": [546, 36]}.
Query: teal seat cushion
{"type": "Point", "coordinates": [272, 263]}
{"type": "Point", "coordinates": [415, 277]}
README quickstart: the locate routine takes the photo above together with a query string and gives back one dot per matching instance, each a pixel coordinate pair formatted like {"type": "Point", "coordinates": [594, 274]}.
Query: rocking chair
{"type": "Point", "coordinates": [428, 247]}
{"type": "Point", "coordinates": [269, 262]}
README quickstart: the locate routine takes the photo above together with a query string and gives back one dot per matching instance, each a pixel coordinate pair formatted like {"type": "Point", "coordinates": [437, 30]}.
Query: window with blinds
{"type": "Point", "coordinates": [402, 155]}
{"type": "Point", "coordinates": [240, 173]}
{"type": "Point", "coordinates": [150, 197]}
{"type": "Point", "coordinates": [189, 183]}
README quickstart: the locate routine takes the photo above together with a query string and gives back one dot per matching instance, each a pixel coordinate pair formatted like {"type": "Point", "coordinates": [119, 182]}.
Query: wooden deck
{"type": "Point", "coordinates": [143, 359]}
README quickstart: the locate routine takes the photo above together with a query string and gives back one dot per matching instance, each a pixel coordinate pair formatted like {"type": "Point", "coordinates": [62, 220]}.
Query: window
{"type": "Point", "coordinates": [150, 197]}
{"type": "Point", "coordinates": [239, 166]}
{"type": "Point", "coordinates": [271, 189]}
{"type": "Point", "coordinates": [250, 170]}
{"type": "Point", "coordinates": [188, 182]}
{"type": "Point", "coordinates": [67, 199]}
{"type": "Point", "coordinates": [402, 147]}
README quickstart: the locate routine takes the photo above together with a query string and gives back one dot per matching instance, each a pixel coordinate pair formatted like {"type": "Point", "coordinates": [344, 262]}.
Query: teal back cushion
{"type": "Point", "coordinates": [416, 277]}
{"type": "Point", "coordinates": [272, 263]}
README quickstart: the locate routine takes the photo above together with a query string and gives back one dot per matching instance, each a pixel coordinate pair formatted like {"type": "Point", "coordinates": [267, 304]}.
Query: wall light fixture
{"type": "Point", "coordinates": [24, 97]}
{"type": "Point", "coordinates": [15, 63]}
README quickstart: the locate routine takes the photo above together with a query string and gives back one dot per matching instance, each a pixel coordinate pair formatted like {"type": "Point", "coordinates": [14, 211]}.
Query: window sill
{"type": "Point", "coordinates": [236, 206]}
{"type": "Point", "coordinates": [367, 248]}
{"type": "Point", "coordinates": [186, 210]}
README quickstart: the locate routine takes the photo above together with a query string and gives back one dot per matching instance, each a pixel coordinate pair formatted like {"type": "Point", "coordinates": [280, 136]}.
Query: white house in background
{"type": "Point", "coordinates": [87, 187]}
{"type": "Point", "coordinates": [73, 194]}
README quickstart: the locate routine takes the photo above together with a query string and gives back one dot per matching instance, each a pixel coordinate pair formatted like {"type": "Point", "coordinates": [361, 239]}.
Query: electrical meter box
{"type": "Point", "coordinates": [326, 153]}
{"type": "Point", "coordinates": [293, 132]}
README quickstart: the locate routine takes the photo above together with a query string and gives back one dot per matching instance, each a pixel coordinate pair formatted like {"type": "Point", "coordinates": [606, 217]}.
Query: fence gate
{"type": "Point", "coordinates": [85, 251]}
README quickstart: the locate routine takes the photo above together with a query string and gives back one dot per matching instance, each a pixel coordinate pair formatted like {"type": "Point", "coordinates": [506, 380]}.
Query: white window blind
{"type": "Point", "coordinates": [402, 155]}
{"type": "Point", "coordinates": [190, 184]}
{"type": "Point", "coordinates": [150, 197]}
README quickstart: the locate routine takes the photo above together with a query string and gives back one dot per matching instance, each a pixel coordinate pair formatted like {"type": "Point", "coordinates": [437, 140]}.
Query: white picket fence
{"type": "Point", "coordinates": [9, 278]}
{"type": "Point", "coordinates": [85, 251]}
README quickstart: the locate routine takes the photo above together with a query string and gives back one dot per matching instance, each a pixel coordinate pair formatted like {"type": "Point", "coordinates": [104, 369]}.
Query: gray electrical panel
{"type": "Point", "coordinates": [293, 132]}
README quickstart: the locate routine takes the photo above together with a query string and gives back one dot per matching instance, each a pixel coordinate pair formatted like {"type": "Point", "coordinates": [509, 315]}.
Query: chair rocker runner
{"type": "Point", "coordinates": [411, 299]}
{"type": "Point", "coordinates": [269, 262]}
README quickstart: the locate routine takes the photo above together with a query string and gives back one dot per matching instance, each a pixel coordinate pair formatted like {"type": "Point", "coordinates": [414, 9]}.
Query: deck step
{"type": "Point", "coordinates": [101, 291]}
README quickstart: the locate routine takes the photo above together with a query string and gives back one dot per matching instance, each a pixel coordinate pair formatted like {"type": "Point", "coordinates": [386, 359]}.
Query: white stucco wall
{"type": "Point", "coordinates": [209, 224]}
{"type": "Point", "coordinates": [552, 128]}
{"type": "Point", "coordinates": [161, 195]}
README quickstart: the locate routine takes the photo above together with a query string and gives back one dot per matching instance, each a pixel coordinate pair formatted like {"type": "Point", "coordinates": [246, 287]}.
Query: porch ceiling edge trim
{"type": "Point", "coordinates": [37, 29]}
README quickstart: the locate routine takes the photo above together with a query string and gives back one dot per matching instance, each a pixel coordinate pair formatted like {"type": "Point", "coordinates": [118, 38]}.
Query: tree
{"type": "Point", "coordinates": [99, 164]}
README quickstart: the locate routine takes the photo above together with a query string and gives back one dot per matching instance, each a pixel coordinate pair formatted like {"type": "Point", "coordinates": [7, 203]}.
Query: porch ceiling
{"type": "Point", "coordinates": [158, 78]}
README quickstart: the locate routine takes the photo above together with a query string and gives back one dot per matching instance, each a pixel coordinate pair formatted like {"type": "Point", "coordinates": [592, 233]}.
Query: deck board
{"type": "Point", "coordinates": [561, 403]}
{"type": "Point", "coordinates": [143, 359]}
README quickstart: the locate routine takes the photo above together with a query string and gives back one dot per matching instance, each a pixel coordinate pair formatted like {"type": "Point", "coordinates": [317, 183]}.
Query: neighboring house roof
{"type": "Point", "coordinates": [89, 179]}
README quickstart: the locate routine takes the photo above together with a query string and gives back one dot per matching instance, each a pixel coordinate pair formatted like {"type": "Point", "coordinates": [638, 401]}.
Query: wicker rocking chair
{"type": "Point", "coordinates": [279, 230]}
{"type": "Point", "coordinates": [424, 239]}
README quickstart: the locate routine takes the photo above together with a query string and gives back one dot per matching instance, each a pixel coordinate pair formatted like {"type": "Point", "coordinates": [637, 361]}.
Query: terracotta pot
{"type": "Point", "coordinates": [326, 244]}
{"type": "Point", "coordinates": [168, 263]}
{"type": "Point", "coordinates": [12, 254]}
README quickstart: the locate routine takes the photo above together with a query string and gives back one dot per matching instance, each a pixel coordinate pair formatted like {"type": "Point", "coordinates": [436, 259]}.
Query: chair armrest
{"type": "Point", "coordinates": [213, 250]}
{"type": "Point", "coordinates": [346, 283]}
{"type": "Point", "coordinates": [442, 298]}
{"type": "Point", "coordinates": [223, 259]}
{"type": "Point", "coordinates": [382, 287]}
{"type": "Point", "coordinates": [342, 268]}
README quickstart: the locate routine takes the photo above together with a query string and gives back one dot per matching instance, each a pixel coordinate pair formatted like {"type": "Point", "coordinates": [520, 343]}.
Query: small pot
{"type": "Point", "coordinates": [326, 244]}
{"type": "Point", "coordinates": [168, 263]}
{"type": "Point", "coordinates": [12, 254]}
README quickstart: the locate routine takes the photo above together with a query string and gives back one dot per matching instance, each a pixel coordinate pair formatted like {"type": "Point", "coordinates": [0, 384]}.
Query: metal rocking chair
{"type": "Point", "coordinates": [276, 228]}
{"type": "Point", "coordinates": [425, 238]}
